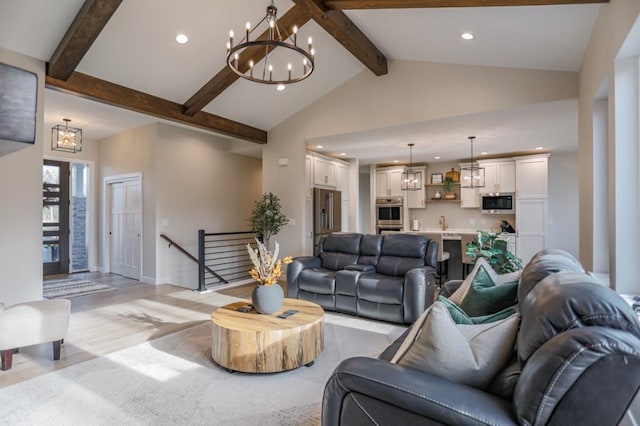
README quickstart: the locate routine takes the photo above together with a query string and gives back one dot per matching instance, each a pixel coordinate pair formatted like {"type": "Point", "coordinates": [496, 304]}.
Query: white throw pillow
{"type": "Point", "coordinates": [461, 292]}
{"type": "Point", "coordinates": [469, 354]}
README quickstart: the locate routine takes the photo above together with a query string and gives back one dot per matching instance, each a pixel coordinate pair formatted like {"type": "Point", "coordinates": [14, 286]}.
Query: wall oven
{"type": "Point", "coordinates": [389, 214]}
{"type": "Point", "coordinates": [498, 203]}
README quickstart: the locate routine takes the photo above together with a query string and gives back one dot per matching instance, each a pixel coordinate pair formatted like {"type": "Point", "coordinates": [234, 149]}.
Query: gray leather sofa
{"type": "Point", "coordinates": [576, 362]}
{"type": "Point", "coordinates": [385, 277]}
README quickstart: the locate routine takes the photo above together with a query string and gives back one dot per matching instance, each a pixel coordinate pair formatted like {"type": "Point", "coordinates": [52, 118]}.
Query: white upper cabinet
{"type": "Point", "coordinates": [532, 176]}
{"type": "Point", "coordinates": [308, 163]}
{"type": "Point", "coordinates": [324, 172]}
{"type": "Point", "coordinates": [499, 175]}
{"type": "Point", "coordinates": [416, 199]}
{"type": "Point", "coordinates": [342, 179]}
{"type": "Point", "coordinates": [469, 197]}
{"type": "Point", "coordinates": [389, 182]}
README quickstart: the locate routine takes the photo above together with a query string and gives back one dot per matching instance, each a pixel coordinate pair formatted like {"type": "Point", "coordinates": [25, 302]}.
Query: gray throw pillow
{"type": "Point", "coordinates": [469, 354]}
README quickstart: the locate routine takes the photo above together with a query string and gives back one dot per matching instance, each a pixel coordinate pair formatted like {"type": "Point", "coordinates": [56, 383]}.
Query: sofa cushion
{"type": "Point", "coordinates": [318, 280]}
{"type": "Point", "coordinates": [543, 264]}
{"type": "Point", "coordinates": [370, 246]}
{"type": "Point", "coordinates": [499, 279]}
{"type": "Point", "coordinates": [381, 288]}
{"type": "Point", "coordinates": [567, 300]}
{"type": "Point", "coordinates": [397, 266]}
{"type": "Point", "coordinates": [342, 242]}
{"type": "Point", "coordinates": [404, 245]}
{"type": "Point", "coordinates": [337, 261]}
{"type": "Point", "coordinates": [469, 354]}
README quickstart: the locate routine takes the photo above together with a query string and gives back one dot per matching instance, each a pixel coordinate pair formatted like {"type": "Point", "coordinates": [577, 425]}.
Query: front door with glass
{"type": "Point", "coordinates": [55, 217]}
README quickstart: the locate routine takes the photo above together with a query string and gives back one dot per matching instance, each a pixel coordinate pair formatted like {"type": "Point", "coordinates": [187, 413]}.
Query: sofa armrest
{"type": "Point", "coordinates": [450, 287]}
{"type": "Point", "coordinates": [294, 269]}
{"type": "Point", "coordinates": [360, 268]}
{"type": "Point", "coordinates": [419, 292]}
{"type": "Point", "coordinates": [408, 391]}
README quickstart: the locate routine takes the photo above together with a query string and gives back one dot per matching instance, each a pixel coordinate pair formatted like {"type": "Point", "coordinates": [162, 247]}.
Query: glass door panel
{"type": "Point", "coordinates": [55, 217]}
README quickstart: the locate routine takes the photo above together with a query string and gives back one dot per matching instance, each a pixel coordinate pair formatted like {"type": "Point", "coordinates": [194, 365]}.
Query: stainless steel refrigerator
{"type": "Point", "coordinates": [327, 214]}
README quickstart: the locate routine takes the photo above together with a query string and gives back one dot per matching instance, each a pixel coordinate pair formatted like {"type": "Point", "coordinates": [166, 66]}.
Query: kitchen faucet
{"type": "Point", "coordinates": [443, 222]}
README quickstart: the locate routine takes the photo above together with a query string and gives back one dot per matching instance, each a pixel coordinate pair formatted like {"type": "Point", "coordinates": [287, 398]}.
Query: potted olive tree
{"type": "Point", "coordinates": [447, 185]}
{"type": "Point", "coordinates": [266, 217]}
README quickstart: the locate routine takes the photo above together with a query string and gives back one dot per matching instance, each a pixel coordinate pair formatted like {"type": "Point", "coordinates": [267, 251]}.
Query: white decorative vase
{"type": "Point", "coordinates": [266, 299]}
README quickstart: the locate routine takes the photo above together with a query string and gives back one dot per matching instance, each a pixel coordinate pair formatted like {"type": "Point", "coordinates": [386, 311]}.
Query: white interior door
{"type": "Point", "coordinates": [126, 228]}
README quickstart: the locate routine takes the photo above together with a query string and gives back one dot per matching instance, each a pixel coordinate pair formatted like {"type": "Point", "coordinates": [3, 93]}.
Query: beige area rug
{"type": "Point", "coordinates": [72, 287]}
{"type": "Point", "coordinates": [173, 381]}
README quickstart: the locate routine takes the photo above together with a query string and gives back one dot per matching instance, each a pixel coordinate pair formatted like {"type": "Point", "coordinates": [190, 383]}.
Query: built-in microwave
{"type": "Point", "coordinates": [498, 203]}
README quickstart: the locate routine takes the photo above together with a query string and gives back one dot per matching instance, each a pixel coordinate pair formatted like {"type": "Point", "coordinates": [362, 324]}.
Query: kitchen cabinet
{"type": "Point", "coordinates": [531, 227]}
{"type": "Point", "coordinates": [469, 197]}
{"type": "Point", "coordinates": [308, 168]}
{"type": "Point", "coordinates": [324, 172]}
{"type": "Point", "coordinates": [342, 179]}
{"type": "Point", "coordinates": [499, 175]}
{"type": "Point", "coordinates": [417, 199]}
{"type": "Point", "coordinates": [510, 240]}
{"type": "Point", "coordinates": [532, 176]}
{"type": "Point", "coordinates": [389, 182]}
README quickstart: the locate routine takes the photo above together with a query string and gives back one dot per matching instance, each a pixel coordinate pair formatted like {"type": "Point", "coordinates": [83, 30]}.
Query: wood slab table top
{"type": "Point", "coordinates": [256, 343]}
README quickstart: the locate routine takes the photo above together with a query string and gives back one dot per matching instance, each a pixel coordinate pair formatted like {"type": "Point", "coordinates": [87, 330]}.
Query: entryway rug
{"type": "Point", "coordinates": [173, 381]}
{"type": "Point", "coordinates": [72, 287]}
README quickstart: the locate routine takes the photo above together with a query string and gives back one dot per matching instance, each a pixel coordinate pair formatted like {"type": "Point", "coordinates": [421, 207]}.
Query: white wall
{"type": "Point", "coordinates": [21, 212]}
{"type": "Point", "coordinates": [615, 21]}
{"type": "Point", "coordinates": [200, 185]}
{"type": "Point", "coordinates": [411, 92]}
{"type": "Point", "coordinates": [562, 227]}
{"type": "Point", "coordinates": [190, 181]}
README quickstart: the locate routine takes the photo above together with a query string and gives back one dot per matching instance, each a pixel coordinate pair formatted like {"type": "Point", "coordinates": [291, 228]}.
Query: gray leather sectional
{"type": "Point", "coordinates": [576, 362]}
{"type": "Point", "coordinates": [385, 277]}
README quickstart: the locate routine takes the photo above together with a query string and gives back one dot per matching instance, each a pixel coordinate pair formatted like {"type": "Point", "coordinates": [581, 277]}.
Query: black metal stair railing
{"type": "Point", "coordinates": [222, 257]}
{"type": "Point", "coordinates": [226, 253]}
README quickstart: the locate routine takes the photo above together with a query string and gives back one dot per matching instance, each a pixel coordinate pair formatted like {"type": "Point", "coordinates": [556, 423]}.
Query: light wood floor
{"type": "Point", "coordinates": [105, 322]}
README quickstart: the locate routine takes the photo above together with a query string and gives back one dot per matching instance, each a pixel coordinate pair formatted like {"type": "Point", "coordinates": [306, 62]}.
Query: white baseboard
{"type": "Point", "coordinates": [152, 280]}
{"type": "Point", "coordinates": [102, 269]}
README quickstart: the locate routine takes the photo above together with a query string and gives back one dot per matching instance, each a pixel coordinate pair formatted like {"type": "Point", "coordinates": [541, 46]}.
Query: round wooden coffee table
{"type": "Point", "coordinates": [255, 343]}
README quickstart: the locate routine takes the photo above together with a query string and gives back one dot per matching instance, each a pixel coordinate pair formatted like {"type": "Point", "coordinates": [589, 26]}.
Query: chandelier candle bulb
{"type": "Point", "coordinates": [270, 72]}
{"type": "Point", "coordinates": [230, 39]}
{"type": "Point", "coordinates": [310, 45]}
{"type": "Point", "coordinates": [289, 67]}
{"type": "Point", "coordinates": [295, 35]}
{"type": "Point", "coordinates": [247, 27]}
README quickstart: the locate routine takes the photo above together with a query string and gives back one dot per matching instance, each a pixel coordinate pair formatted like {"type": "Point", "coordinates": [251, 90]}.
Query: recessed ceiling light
{"type": "Point", "coordinates": [280, 87]}
{"type": "Point", "coordinates": [343, 153]}
{"type": "Point", "coordinates": [539, 148]}
{"type": "Point", "coordinates": [395, 161]}
{"type": "Point", "coordinates": [467, 36]}
{"type": "Point", "coordinates": [319, 146]}
{"type": "Point", "coordinates": [437, 157]}
{"type": "Point", "coordinates": [484, 153]}
{"type": "Point", "coordinates": [182, 38]}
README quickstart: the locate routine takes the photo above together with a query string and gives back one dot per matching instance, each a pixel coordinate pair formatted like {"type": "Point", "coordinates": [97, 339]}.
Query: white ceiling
{"type": "Point", "coordinates": [137, 49]}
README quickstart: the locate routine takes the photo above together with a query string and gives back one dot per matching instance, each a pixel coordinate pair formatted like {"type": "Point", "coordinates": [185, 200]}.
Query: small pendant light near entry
{"type": "Point", "coordinates": [411, 179]}
{"type": "Point", "coordinates": [472, 176]}
{"type": "Point", "coordinates": [65, 138]}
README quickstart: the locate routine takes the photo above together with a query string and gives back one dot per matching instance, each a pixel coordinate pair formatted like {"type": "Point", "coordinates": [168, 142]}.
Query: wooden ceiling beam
{"type": "Point", "coordinates": [103, 91]}
{"type": "Point", "coordinates": [400, 4]}
{"type": "Point", "coordinates": [340, 27]}
{"type": "Point", "coordinates": [85, 28]}
{"type": "Point", "coordinates": [295, 16]}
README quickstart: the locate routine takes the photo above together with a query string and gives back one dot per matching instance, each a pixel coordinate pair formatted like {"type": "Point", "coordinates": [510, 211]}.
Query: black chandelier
{"type": "Point", "coordinates": [411, 178]}
{"type": "Point", "coordinates": [65, 138]}
{"type": "Point", "coordinates": [299, 62]}
{"type": "Point", "coordinates": [472, 176]}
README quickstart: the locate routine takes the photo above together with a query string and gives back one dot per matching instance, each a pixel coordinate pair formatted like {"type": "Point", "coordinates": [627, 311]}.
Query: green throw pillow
{"type": "Point", "coordinates": [485, 297]}
{"type": "Point", "coordinates": [460, 317]}
{"type": "Point", "coordinates": [457, 315]}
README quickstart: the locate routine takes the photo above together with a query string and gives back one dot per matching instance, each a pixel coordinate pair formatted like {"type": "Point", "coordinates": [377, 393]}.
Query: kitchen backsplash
{"type": "Point", "coordinates": [457, 217]}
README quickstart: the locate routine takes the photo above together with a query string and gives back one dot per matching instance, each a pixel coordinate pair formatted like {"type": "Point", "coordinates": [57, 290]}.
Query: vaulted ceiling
{"type": "Point", "coordinates": [122, 52]}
